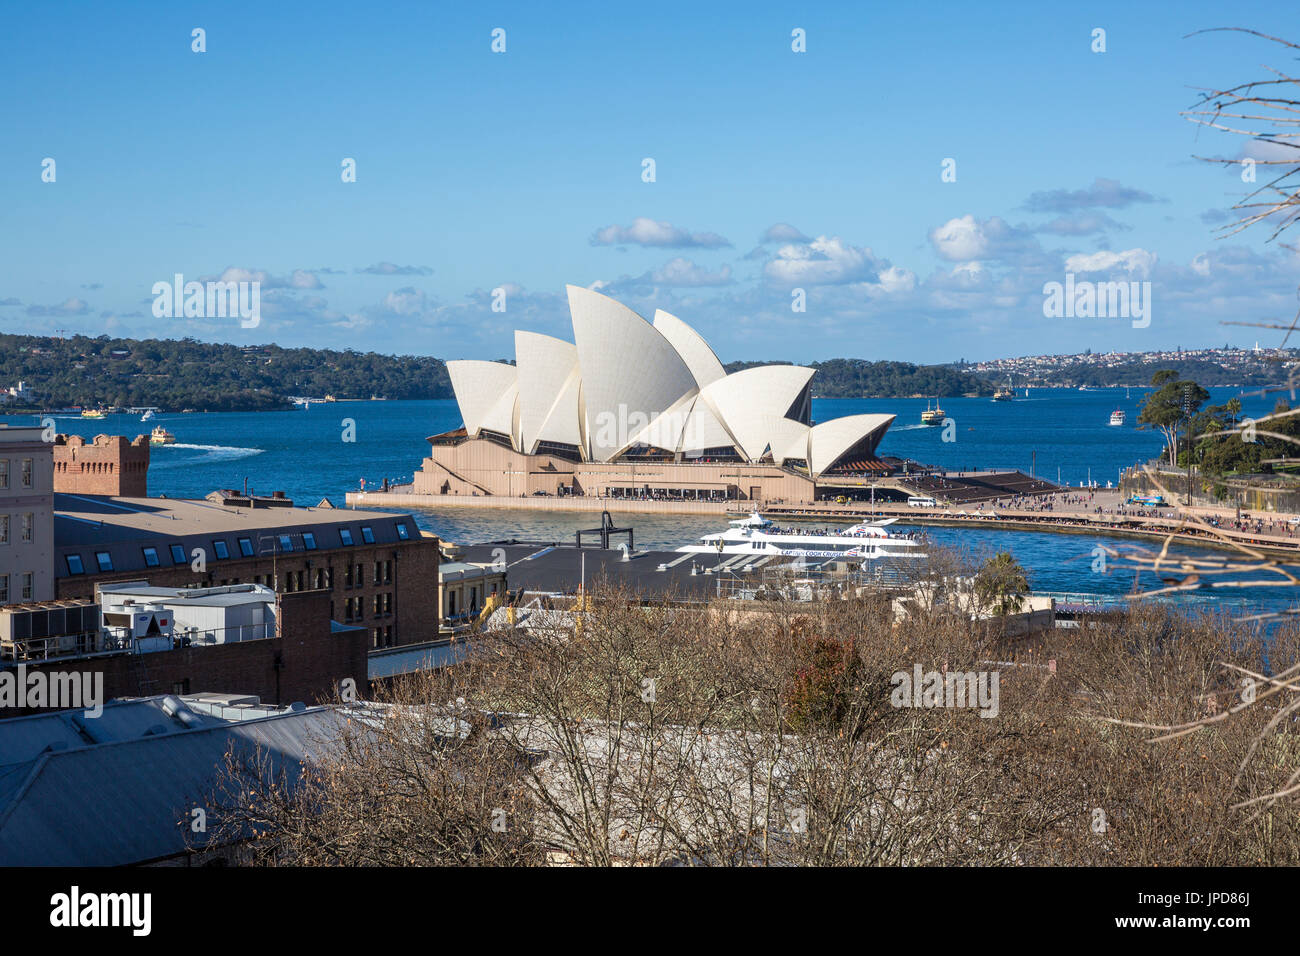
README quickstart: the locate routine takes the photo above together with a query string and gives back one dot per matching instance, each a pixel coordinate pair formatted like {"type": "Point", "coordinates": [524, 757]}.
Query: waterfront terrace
{"type": "Point", "coordinates": [381, 571]}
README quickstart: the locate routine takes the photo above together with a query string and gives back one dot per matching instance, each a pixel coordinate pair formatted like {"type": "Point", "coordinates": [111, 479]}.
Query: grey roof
{"type": "Point", "coordinates": [231, 595]}
{"type": "Point", "coordinates": [548, 568]}
{"type": "Point", "coordinates": [85, 524]}
{"type": "Point", "coordinates": [408, 660]}
{"type": "Point", "coordinates": [116, 789]}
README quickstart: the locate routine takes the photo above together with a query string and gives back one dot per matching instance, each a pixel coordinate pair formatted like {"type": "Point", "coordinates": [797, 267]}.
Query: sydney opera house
{"type": "Point", "coordinates": [632, 408]}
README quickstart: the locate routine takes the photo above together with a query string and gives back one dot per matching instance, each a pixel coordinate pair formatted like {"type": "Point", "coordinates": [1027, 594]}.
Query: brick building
{"type": "Point", "coordinates": [26, 516]}
{"type": "Point", "coordinates": [377, 569]}
{"type": "Point", "coordinates": [305, 659]}
{"type": "Point", "coordinates": [107, 465]}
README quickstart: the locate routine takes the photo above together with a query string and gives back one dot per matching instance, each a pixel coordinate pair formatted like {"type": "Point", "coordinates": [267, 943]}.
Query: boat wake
{"type": "Point", "coordinates": [214, 453]}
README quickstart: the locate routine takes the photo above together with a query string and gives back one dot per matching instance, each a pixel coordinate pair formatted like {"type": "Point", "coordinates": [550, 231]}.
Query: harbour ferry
{"type": "Point", "coordinates": [932, 416]}
{"type": "Point", "coordinates": [1117, 417]}
{"type": "Point", "coordinates": [161, 436]}
{"type": "Point", "coordinates": [1004, 393]}
{"type": "Point", "coordinates": [865, 541]}
{"type": "Point", "coordinates": [92, 413]}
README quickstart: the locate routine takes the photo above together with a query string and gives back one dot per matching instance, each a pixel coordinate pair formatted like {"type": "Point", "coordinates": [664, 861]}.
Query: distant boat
{"type": "Point", "coordinates": [92, 413]}
{"type": "Point", "coordinates": [161, 436]}
{"type": "Point", "coordinates": [932, 416]}
{"type": "Point", "coordinates": [147, 416]}
{"type": "Point", "coordinates": [1117, 417]}
{"type": "Point", "coordinates": [1004, 393]}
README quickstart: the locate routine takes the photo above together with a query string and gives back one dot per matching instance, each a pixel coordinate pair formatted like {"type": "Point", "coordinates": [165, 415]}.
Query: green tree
{"type": "Point", "coordinates": [1174, 402]}
{"type": "Point", "coordinates": [1001, 584]}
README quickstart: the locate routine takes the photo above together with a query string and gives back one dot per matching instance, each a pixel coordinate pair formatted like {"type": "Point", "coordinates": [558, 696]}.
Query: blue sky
{"type": "Point", "coordinates": [775, 170]}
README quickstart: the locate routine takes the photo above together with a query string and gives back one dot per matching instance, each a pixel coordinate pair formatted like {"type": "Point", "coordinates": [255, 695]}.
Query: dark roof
{"type": "Point", "coordinates": [115, 790]}
{"type": "Point", "coordinates": [547, 568]}
{"type": "Point", "coordinates": [85, 524]}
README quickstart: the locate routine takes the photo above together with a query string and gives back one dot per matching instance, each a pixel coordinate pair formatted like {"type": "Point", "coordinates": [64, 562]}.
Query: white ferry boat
{"type": "Point", "coordinates": [865, 541]}
{"type": "Point", "coordinates": [1118, 417]}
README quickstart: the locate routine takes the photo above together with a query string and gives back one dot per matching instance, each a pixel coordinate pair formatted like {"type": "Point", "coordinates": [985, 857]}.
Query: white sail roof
{"type": "Point", "coordinates": [788, 439]}
{"type": "Point", "coordinates": [548, 390]}
{"type": "Point", "coordinates": [829, 440]}
{"type": "Point", "coordinates": [630, 372]}
{"type": "Point", "coordinates": [480, 388]}
{"type": "Point", "coordinates": [625, 381]}
{"type": "Point", "coordinates": [690, 345]}
{"type": "Point", "coordinates": [752, 401]}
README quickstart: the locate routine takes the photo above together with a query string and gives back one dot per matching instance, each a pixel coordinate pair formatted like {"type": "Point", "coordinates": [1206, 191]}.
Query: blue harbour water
{"type": "Point", "coordinates": [1060, 433]}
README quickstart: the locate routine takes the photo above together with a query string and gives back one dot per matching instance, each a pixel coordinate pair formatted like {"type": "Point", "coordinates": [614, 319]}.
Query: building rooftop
{"type": "Point", "coordinates": [551, 569]}
{"type": "Point", "coordinates": [85, 524]}
{"type": "Point", "coordinates": [115, 790]}
{"type": "Point", "coordinates": [228, 596]}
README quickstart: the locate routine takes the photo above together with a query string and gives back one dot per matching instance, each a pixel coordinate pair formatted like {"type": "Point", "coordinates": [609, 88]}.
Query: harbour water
{"type": "Point", "coordinates": [307, 454]}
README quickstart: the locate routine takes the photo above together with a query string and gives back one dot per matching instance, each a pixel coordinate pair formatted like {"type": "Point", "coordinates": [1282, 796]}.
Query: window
{"type": "Point", "coordinates": [4, 589]}
{"type": "Point", "coordinates": [402, 533]}
{"type": "Point", "coordinates": [379, 572]}
{"type": "Point", "coordinates": [4, 472]}
{"type": "Point", "coordinates": [27, 585]}
{"type": "Point", "coordinates": [309, 541]}
{"type": "Point", "coordinates": [104, 560]}
{"type": "Point", "coordinates": [378, 606]}
{"type": "Point", "coordinates": [388, 603]}
{"type": "Point", "coordinates": [246, 547]}
{"type": "Point", "coordinates": [27, 527]}
{"type": "Point", "coordinates": [220, 549]}
{"type": "Point", "coordinates": [347, 578]}
{"type": "Point", "coordinates": [345, 536]}
{"type": "Point", "coordinates": [367, 535]}
{"type": "Point", "coordinates": [285, 543]}
{"type": "Point", "coordinates": [150, 557]}
{"type": "Point", "coordinates": [178, 554]}
{"type": "Point", "coordinates": [181, 687]}
{"type": "Point", "coordinates": [74, 564]}
{"type": "Point", "coordinates": [4, 529]}
{"type": "Point", "coordinates": [27, 473]}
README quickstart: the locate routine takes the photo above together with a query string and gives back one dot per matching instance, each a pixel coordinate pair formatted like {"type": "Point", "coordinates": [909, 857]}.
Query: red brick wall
{"type": "Point", "coordinates": [304, 663]}
{"type": "Point", "coordinates": [110, 465]}
{"type": "Point", "coordinates": [414, 585]}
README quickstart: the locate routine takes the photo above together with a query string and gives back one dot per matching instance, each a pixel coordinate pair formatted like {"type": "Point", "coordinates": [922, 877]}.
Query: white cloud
{"type": "Point", "coordinates": [824, 261]}
{"type": "Point", "coordinates": [683, 272]}
{"type": "Point", "coordinates": [648, 232]}
{"type": "Point", "coordinates": [783, 232]}
{"type": "Point", "coordinates": [960, 240]}
{"type": "Point", "coordinates": [966, 239]}
{"type": "Point", "coordinates": [1138, 261]}
{"type": "Point", "coordinates": [405, 301]}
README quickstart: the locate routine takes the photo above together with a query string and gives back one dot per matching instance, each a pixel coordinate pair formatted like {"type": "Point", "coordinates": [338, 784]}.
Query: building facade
{"type": "Point", "coordinates": [26, 516]}
{"type": "Point", "coordinates": [378, 569]}
{"type": "Point", "coordinates": [106, 465]}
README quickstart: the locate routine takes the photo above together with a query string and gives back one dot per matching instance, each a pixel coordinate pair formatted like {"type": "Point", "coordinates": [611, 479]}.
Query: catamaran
{"type": "Point", "coordinates": [757, 535]}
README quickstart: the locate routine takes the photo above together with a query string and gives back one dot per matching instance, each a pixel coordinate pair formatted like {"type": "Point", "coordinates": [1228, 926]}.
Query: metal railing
{"type": "Point", "coordinates": [118, 640]}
